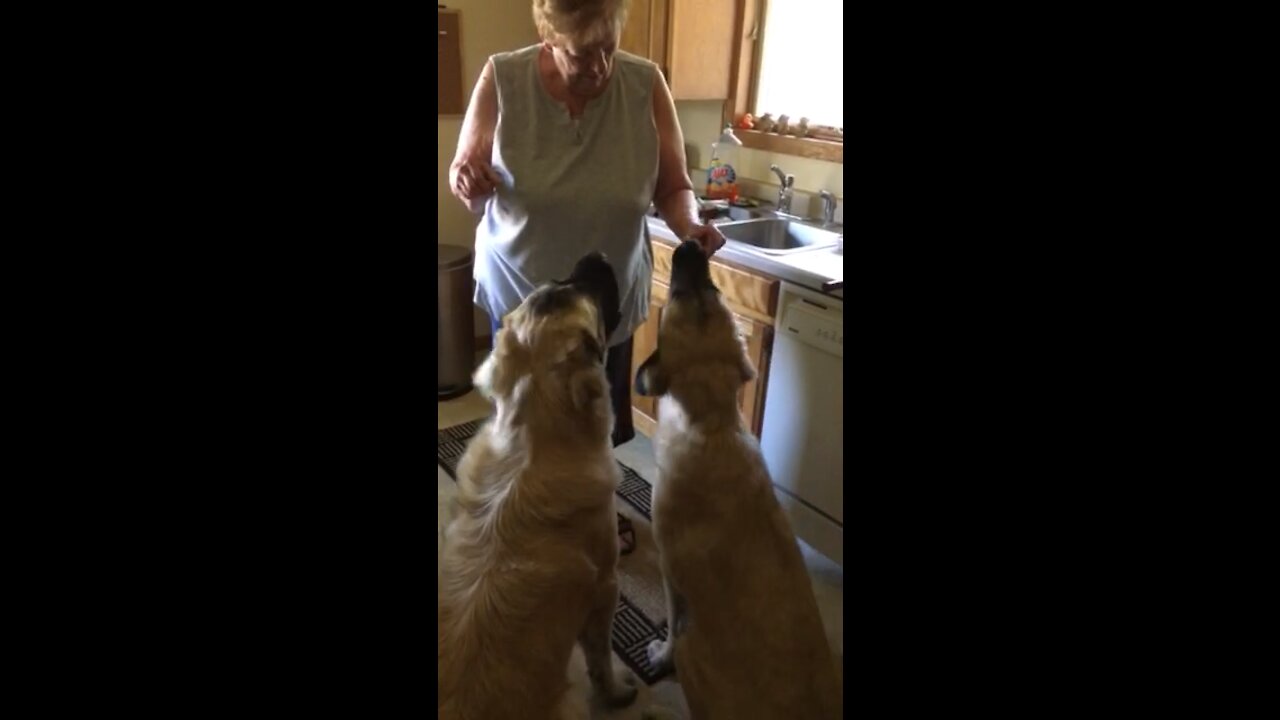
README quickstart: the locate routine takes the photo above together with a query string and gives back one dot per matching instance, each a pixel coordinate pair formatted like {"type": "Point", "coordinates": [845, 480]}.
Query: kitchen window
{"type": "Point", "coordinates": [802, 61]}
{"type": "Point", "coordinates": [791, 62]}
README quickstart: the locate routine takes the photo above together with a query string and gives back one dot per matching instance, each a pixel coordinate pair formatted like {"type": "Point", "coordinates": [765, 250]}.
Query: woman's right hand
{"type": "Point", "coordinates": [473, 179]}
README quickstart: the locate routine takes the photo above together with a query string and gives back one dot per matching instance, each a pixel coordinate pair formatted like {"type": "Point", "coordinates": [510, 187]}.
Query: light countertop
{"type": "Point", "coordinates": [810, 268]}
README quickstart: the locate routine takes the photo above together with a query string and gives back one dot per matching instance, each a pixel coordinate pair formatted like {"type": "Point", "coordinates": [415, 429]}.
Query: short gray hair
{"type": "Point", "coordinates": [579, 20]}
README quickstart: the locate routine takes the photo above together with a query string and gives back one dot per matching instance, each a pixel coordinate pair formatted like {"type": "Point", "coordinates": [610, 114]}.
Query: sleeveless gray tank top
{"type": "Point", "coordinates": [569, 187]}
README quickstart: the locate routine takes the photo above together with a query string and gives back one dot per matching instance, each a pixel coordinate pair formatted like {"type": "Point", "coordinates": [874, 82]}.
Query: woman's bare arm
{"type": "Point", "coordinates": [471, 177]}
{"type": "Point", "coordinates": [673, 193]}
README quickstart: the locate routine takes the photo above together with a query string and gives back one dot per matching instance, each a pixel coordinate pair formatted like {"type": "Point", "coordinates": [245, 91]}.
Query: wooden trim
{"type": "Point", "coordinates": [746, 62]}
{"type": "Point", "coordinates": [757, 55]}
{"type": "Point", "coordinates": [745, 71]}
{"type": "Point", "coordinates": [791, 145]}
{"type": "Point", "coordinates": [644, 424]}
{"type": "Point", "coordinates": [660, 37]}
{"type": "Point", "coordinates": [659, 294]}
{"type": "Point", "coordinates": [643, 342]}
{"type": "Point", "coordinates": [758, 340]}
{"type": "Point", "coordinates": [762, 381]}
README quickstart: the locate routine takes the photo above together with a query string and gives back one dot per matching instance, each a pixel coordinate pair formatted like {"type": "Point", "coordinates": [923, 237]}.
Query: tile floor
{"type": "Point", "coordinates": [663, 700]}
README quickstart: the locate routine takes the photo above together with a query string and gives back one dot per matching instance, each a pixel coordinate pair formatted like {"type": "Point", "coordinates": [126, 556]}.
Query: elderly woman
{"type": "Point", "coordinates": [564, 146]}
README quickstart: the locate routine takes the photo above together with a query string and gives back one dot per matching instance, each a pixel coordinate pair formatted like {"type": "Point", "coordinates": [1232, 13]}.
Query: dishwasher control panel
{"type": "Point", "coordinates": [815, 325]}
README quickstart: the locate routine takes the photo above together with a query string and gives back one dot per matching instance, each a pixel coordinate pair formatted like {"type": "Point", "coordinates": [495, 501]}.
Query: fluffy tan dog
{"type": "Point", "coordinates": [745, 635]}
{"type": "Point", "coordinates": [528, 564]}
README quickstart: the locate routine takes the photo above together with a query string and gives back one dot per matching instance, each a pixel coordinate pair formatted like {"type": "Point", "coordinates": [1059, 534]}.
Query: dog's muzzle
{"type": "Point", "coordinates": [593, 276]}
{"type": "Point", "coordinates": [690, 270]}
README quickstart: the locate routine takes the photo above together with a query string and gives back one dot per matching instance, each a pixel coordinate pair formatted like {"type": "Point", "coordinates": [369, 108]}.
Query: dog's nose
{"type": "Point", "coordinates": [594, 275]}
{"type": "Point", "coordinates": [689, 253]}
{"type": "Point", "coordinates": [688, 250]}
{"type": "Point", "coordinates": [689, 268]}
{"type": "Point", "coordinates": [592, 265]}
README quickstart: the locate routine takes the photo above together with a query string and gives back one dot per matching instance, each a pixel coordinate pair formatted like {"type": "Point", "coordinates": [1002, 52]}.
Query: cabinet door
{"type": "Point", "coordinates": [638, 32]}
{"type": "Point", "coordinates": [644, 410]}
{"type": "Point", "coordinates": [690, 40]}
{"type": "Point", "coordinates": [758, 339]}
{"type": "Point", "coordinates": [700, 48]}
{"type": "Point", "coordinates": [756, 336]}
{"type": "Point", "coordinates": [645, 33]}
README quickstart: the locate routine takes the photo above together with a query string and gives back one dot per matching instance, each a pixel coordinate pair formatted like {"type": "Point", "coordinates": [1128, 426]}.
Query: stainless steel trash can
{"type": "Point", "coordinates": [455, 318]}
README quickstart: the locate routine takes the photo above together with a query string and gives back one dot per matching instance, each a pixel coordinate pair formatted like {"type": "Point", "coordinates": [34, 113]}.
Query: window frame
{"type": "Point", "coordinates": [744, 81]}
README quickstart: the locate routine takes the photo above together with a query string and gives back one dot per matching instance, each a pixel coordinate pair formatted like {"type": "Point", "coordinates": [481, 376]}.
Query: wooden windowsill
{"type": "Point", "coordinates": [791, 145]}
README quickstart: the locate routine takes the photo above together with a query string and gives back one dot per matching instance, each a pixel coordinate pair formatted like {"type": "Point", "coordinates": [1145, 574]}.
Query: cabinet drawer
{"type": "Point", "coordinates": [754, 296]}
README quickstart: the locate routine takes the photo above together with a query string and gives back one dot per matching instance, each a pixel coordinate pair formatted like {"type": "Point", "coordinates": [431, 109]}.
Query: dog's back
{"type": "Point", "coordinates": [528, 564]}
{"type": "Point", "coordinates": [754, 646]}
{"type": "Point", "coordinates": [515, 588]}
{"type": "Point", "coordinates": [748, 639]}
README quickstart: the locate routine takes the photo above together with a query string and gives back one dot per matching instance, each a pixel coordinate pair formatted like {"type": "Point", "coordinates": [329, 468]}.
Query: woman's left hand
{"type": "Point", "coordinates": [707, 236]}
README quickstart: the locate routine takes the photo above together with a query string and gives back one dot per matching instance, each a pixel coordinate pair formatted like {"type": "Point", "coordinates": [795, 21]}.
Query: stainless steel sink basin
{"type": "Point", "coordinates": [778, 236]}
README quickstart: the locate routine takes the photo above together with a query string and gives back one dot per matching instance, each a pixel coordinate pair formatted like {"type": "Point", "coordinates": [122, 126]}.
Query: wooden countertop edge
{"type": "Point", "coordinates": [741, 309]}
{"type": "Point", "coordinates": [718, 259]}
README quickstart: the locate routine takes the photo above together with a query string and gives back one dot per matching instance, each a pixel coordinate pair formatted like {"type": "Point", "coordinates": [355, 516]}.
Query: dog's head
{"type": "Point", "coordinates": [699, 352]}
{"type": "Point", "coordinates": [557, 338]}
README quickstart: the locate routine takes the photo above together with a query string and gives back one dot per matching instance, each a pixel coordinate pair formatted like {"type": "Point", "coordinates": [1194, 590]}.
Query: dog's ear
{"type": "Point", "coordinates": [497, 375]}
{"type": "Point", "coordinates": [650, 380]}
{"type": "Point", "coordinates": [586, 384]}
{"type": "Point", "coordinates": [590, 348]}
{"type": "Point", "coordinates": [488, 379]}
{"type": "Point", "coordinates": [586, 387]}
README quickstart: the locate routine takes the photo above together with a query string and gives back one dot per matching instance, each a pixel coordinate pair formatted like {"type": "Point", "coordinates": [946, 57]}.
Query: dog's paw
{"type": "Point", "coordinates": [660, 655]}
{"type": "Point", "coordinates": [621, 690]}
{"type": "Point", "coordinates": [618, 688]}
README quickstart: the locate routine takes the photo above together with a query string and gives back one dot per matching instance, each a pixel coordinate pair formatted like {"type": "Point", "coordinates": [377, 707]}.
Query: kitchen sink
{"type": "Point", "coordinates": [734, 213]}
{"type": "Point", "coordinates": [746, 213]}
{"type": "Point", "coordinates": [778, 236]}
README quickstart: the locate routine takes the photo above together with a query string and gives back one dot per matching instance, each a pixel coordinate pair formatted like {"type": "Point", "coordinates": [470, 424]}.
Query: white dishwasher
{"type": "Point", "coordinates": [802, 434]}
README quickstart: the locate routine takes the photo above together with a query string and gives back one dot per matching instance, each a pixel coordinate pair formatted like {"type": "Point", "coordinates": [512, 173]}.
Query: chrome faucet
{"type": "Point", "coordinates": [785, 182]}
{"type": "Point", "coordinates": [828, 207]}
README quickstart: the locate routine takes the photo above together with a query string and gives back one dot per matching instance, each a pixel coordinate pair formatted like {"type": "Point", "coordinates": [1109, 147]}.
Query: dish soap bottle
{"type": "Point", "coordinates": [722, 180]}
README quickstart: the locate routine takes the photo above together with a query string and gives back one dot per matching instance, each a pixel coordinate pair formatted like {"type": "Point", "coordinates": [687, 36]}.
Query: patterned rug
{"type": "Point", "coordinates": [633, 628]}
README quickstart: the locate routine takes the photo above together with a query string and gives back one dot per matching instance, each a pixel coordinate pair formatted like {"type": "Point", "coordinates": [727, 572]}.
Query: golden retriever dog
{"type": "Point", "coordinates": [745, 636]}
{"type": "Point", "coordinates": [528, 564]}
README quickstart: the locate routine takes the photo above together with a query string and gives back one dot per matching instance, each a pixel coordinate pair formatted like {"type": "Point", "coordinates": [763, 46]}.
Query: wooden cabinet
{"type": "Point", "coordinates": [449, 64]}
{"type": "Point", "coordinates": [644, 410]}
{"type": "Point", "coordinates": [753, 299]}
{"type": "Point", "coordinates": [645, 33]}
{"type": "Point", "coordinates": [692, 41]}
{"type": "Point", "coordinates": [758, 338]}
